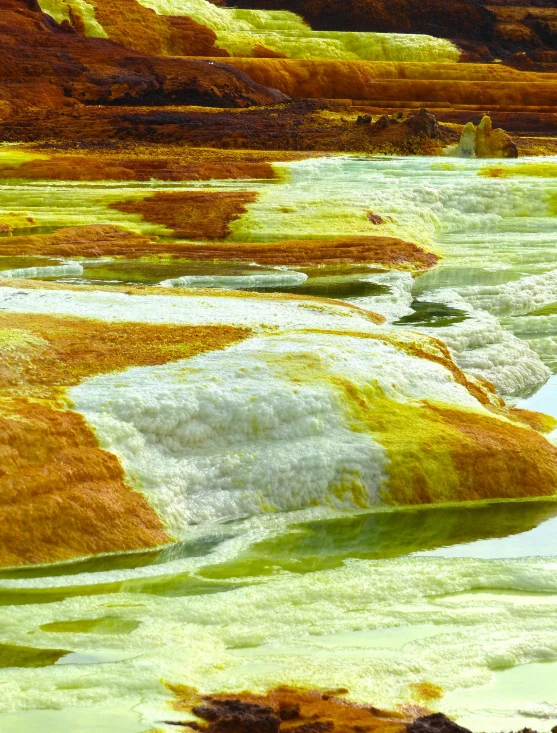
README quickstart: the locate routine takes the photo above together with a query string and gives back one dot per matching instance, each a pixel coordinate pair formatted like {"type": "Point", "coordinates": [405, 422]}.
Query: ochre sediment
{"type": "Point", "coordinates": [383, 82]}
{"type": "Point", "coordinates": [131, 24]}
{"type": "Point", "coordinates": [536, 420]}
{"type": "Point", "coordinates": [86, 241]}
{"type": "Point", "coordinates": [191, 214]}
{"type": "Point", "coordinates": [61, 495]}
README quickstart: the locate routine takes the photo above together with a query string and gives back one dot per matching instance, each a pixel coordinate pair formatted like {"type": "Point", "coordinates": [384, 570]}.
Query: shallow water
{"type": "Point", "coordinates": [462, 596]}
{"type": "Point", "coordinates": [301, 598]}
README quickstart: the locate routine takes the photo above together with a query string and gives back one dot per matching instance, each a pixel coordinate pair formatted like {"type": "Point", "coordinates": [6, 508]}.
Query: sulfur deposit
{"type": "Point", "coordinates": [278, 392]}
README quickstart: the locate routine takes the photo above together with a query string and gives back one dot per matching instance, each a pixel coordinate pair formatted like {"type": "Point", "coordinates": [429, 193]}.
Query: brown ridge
{"type": "Point", "coordinates": [98, 240]}
{"type": "Point", "coordinates": [46, 65]}
{"type": "Point", "coordinates": [95, 167]}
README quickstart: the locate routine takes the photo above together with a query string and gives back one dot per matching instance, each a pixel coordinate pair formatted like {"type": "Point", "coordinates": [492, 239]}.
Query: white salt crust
{"type": "Point", "coordinates": [516, 298]}
{"type": "Point", "coordinates": [481, 346]}
{"type": "Point", "coordinates": [238, 282]}
{"type": "Point", "coordinates": [195, 310]}
{"type": "Point", "coordinates": [29, 273]}
{"type": "Point", "coordinates": [258, 426]}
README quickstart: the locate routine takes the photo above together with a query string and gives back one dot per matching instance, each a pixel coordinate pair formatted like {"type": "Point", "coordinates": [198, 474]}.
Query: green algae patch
{"type": "Point", "coordinates": [173, 586]}
{"type": "Point", "coordinates": [546, 310]}
{"type": "Point", "coordinates": [103, 625]}
{"type": "Point", "coordinates": [12, 655]}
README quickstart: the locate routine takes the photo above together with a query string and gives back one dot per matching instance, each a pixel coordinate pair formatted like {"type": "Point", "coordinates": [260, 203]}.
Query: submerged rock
{"type": "Point", "coordinates": [285, 709]}
{"type": "Point", "coordinates": [235, 716]}
{"type": "Point", "coordinates": [437, 723]}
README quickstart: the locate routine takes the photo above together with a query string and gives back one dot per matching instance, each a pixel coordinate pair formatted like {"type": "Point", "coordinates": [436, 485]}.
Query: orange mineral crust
{"type": "Point", "coordinates": [285, 709]}
{"type": "Point", "coordinates": [98, 240]}
{"type": "Point", "coordinates": [94, 240]}
{"type": "Point", "coordinates": [456, 455]}
{"type": "Point", "coordinates": [191, 214]}
{"type": "Point", "coordinates": [440, 453]}
{"type": "Point", "coordinates": [61, 495]}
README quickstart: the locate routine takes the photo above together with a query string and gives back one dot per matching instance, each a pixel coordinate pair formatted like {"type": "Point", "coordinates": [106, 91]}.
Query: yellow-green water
{"type": "Point", "coordinates": [372, 600]}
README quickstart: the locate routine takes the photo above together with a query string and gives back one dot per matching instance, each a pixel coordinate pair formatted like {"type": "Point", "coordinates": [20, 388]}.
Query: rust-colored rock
{"type": "Point", "coordinates": [437, 723]}
{"type": "Point", "coordinates": [131, 24]}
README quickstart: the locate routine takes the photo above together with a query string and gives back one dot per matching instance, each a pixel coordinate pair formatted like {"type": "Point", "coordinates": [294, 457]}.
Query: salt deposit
{"type": "Point", "coordinates": [29, 273]}
{"type": "Point", "coordinates": [238, 282]}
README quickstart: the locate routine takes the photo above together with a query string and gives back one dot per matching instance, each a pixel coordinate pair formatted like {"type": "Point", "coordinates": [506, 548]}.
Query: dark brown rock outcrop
{"type": "Point", "coordinates": [285, 710]}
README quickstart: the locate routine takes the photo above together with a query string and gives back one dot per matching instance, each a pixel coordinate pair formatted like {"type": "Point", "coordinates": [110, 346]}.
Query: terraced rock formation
{"type": "Point", "coordinates": [480, 27]}
{"type": "Point", "coordinates": [146, 54]}
{"type": "Point", "coordinates": [238, 32]}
